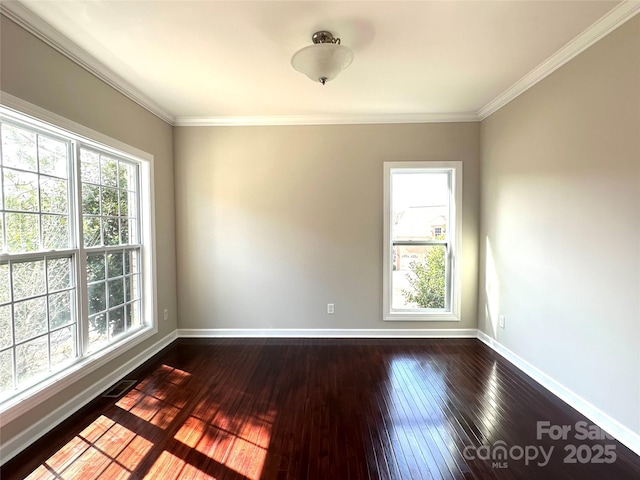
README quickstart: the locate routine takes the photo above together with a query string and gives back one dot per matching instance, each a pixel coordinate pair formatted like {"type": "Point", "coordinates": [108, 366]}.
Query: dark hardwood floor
{"type": "Point", "coordinates": [325, 409]}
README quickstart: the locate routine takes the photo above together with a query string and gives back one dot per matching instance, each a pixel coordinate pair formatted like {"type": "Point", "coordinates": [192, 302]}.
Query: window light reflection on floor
{"type": "Point", "coordinates": [208, 443]}
{"type": "Point", "coordinates": [105, 449]}
{"type": "Point", "coordinates": [237, 444]}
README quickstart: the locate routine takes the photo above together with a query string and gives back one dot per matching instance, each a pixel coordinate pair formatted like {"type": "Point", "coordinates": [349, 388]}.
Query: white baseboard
{"type": "Point", "coordinates": [15, 445]}
{"type": "Point", "coordinates": [622, 433]}
{"type": "Point", "coordinates": [327, 333]}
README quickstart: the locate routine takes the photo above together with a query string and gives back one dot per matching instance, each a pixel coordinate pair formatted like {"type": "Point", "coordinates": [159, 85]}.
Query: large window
{"type": "Point", "coordinates": [422, 240]}
{"type": "Point", "coordinates": [74, 233]}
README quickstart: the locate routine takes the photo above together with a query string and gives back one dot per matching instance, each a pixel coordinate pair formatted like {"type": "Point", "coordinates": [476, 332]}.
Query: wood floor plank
{"type": "Point", "coordinates": [291, 409]}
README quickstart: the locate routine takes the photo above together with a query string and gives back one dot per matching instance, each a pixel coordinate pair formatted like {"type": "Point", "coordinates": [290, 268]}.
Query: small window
{"type": "Point", "coordinates": [422, 237]}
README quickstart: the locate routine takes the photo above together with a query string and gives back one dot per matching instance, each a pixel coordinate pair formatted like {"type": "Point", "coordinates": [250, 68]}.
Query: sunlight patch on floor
{"type": "Point", "coordinates": [105, 449]}
{"type": "Point", "coordinates": [149, 403]}
{"type": "Point", "coordinates": [237, 443]}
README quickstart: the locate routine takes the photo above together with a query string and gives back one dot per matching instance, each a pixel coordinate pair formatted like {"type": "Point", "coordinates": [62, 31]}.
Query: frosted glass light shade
{"type": "Point", "coordinates": [322, 62]}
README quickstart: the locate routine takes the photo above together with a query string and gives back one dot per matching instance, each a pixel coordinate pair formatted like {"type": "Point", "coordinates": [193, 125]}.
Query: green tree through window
{"type": "Point", "coordinates": [427, 280]}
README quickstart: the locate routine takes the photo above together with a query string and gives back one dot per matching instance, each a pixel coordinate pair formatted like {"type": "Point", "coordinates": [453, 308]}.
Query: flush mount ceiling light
{"type": "Point", "coordinates": [323, 60]}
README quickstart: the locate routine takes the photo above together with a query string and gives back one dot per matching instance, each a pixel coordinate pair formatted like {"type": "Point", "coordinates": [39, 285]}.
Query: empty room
{"type": "Point", "coordinates": [319, 239]}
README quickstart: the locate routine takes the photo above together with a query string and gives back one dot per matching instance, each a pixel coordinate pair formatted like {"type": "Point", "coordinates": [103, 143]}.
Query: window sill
{"type": "Point", "coordinates": [420, 317]}
{"type": "Point", "coordinates": [30, 398]}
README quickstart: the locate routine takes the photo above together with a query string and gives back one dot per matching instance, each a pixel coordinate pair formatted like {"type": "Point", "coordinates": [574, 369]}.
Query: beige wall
{"type": "Point", "coordinates": [273, 223]}
{"type": "Point", "coordinates": [36, 73]}
{"type": "Point", "coordinates": [561, 216]}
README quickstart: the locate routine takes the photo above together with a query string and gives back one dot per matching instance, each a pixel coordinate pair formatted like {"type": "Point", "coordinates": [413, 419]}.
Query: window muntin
{"type": "Point", "coordinates": [37, 319]}
{"type": "Point", "coordinates": [35, 190]}
{"type": "Point", "coordinates": [113, 294]}
{"type": "Point", "coordinates": [422, 236]}
{"type": "Point", "coordinates": [50, 314]}
{"type": "Point", "coordinates": [109, 200]}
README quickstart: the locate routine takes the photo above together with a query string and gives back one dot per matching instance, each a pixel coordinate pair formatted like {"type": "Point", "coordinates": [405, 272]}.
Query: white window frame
{"type": "Point", "coordinates": [454, 232]}
{"type": "Point", "coordinates": [29, 398]}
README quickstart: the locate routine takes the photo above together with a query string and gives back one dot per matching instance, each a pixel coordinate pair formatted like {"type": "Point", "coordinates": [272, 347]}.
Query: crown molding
{"type": "Point", "coordinates": [612, 20]}
{"type": "Point", "coordinates": [35, 25]}
{"type": "Point", "coordinates": [28, 20]}
{"type": "Point", "coordinates": [345, 119]}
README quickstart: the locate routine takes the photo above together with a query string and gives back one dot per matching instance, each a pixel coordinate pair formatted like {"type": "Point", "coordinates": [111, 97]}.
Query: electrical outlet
{"type": "Point", "coordinates": [331, 308]}
{"type": "Point", "coordinates": [166, 314]}
{"type": "Point", "coordinates": [501, 321]}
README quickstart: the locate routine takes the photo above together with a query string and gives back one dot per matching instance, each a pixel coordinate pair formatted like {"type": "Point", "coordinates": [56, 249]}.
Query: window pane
{"type": "Point", "coordinates": [109, 201]}
{"type": "Point", "coordinates": [116, 322]}
{"type": "Point", "coordinates": [53, 195]}
{"type": "Point", "coordinates": [90, 199]}
{"type": "Point", "coordinates": [53, 156]}
{"type": "Point", "coordinates": [32, 358]}
{"type": "Point", "coordinates": [97, 331]}
{"type": "Point", "coordinates": [28, 279]}
{"type": "Point", "coordinates": [58, 273]}
{"type": "Point", "coordinates": [133, 315]}
{"type": "Point", "coordinates": [97, 298]}
{"type": "Point", "coordinates": [132, 287]}
{"type": "Point", "coordinates": [124, 202]}
{"type": "Point", "coordinates": [6, 371]}
{"type": "Point", "coordinates": [124, 231]}
{"type": "Point", "coordinates": [30, 318]}
{"type": "Point", "coordinates": [111, 231]}
{"type": "Point", "coordinates": [116, 292]}
{"type": "Point", "coordinates": [5, 288]}
{"type": "Point", "coordinates": [20, 190]}
{"type": "Point", "coordinates": [55, 232]}
{"type": "Point", "coordinates": [95, 267]}
{"type": "Point", "coordinates": [128, 289]}
{"type": "Point", "coordinates": [419, 277]}
{"type": "Point", "coordinates": [134, 236]}
{"type": "Point", "coordinates": [18, 148]}
{"type": "Point", "coordinates": [63, 345]}
{"type": "Point", "coordinates": [23, 233]}
{"type": "Point", "coordinates": [5, 327]}
{"type": "Point", "coordinates": [60, 309]}
{"type": "Point", "coordinates": [127, 176]}
{"type": "Point", "coordinates": [131, 205]}
{"type": "Point", "coordinates": [91, 231]}
{"type": "Point", "coordinates": [114, 261]}
{"type": "Point", "coordinates": [109, 171]}
{"type": "Point", "coordinates": [131, 261]}
{"type": "Point", "coordinates": [89, 166]}
{"type": "Point", "coordinates": [420, 205]}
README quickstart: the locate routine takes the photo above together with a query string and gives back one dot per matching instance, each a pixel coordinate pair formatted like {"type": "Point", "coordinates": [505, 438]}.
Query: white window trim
{"type": "Point", "coordinates": [28, 399]}
{"type": "Point", "coordinates": [456, 246]}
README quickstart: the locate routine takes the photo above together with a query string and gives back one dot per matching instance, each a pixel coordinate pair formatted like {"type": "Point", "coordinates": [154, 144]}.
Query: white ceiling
{"type": "Point", "coordinates": [227, 61]}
